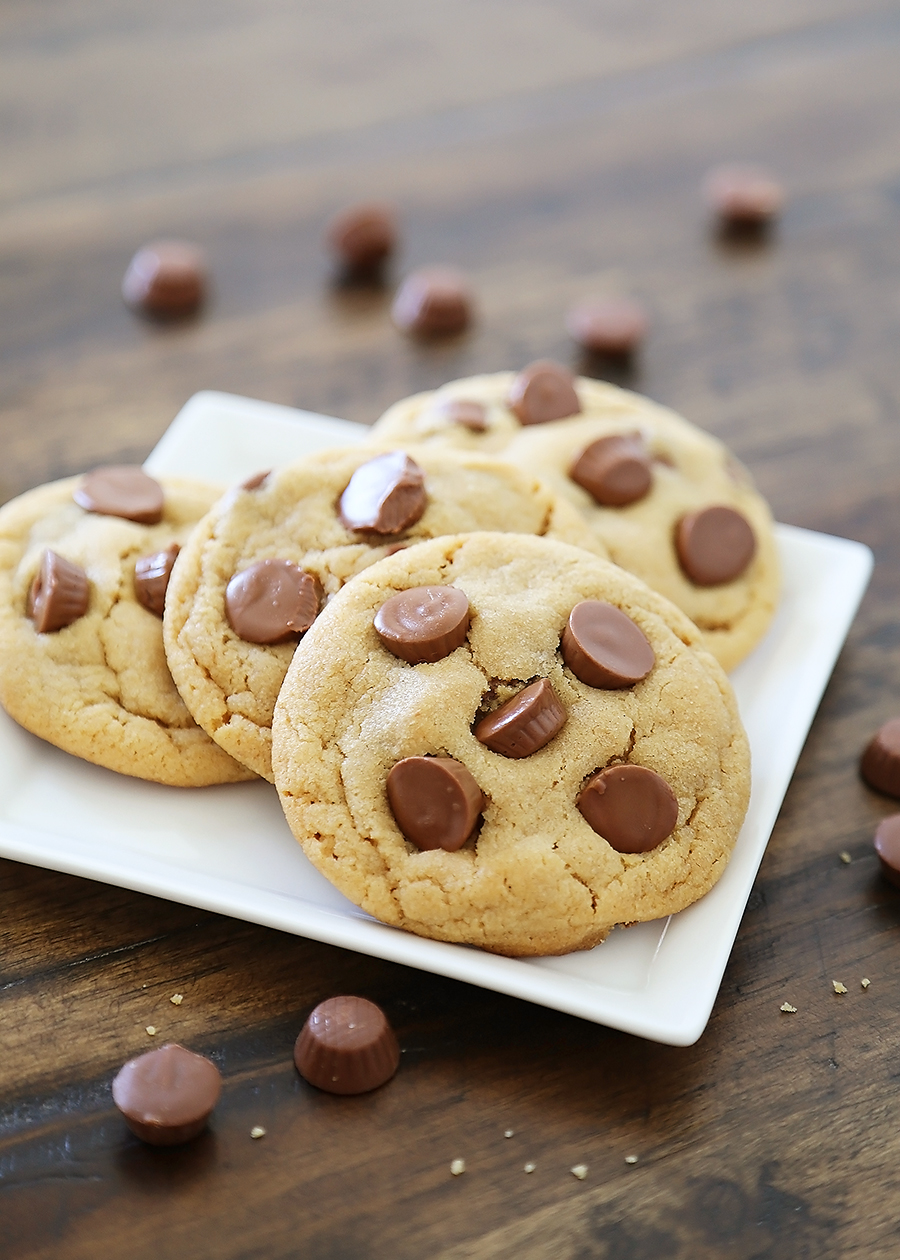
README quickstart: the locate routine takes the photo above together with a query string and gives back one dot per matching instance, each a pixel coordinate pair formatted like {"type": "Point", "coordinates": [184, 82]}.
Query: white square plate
{"type": "Point", "coordinates": [228, 848]}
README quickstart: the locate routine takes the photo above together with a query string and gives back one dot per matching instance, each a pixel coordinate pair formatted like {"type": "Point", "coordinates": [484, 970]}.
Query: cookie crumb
{"type": "Point", "coordinates": [633, 1159]}
{"type": "Point", "coordinates": [865, 982]}
{"type": "Point", "coordinates": [457, 1166]}
{"type": "Point", "coordinates": [580, 1171]}
{"type": "Point", "coordinates": [838, 987]}
{"type": "Point", "coordinates": [257, 1131]}
{"type": "Point", "coordinates": [787, 1008]}
{"type": "Point", "coordinates": [529, 1168]}
{"type": "Point", "coordinates": [176, 999]}
{"type": "Point", "coordinates": [150, 1030]}
{"type": "Point", "coordinates": [511, 1132]}
{"type": "Point", "coordinates": [845, 857]}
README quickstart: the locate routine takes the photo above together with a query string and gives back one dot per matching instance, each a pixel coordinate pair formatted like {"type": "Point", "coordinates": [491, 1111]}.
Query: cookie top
{"type": "Point", "coordinates": [87, 670]}
{"type": "Point", "coordinates": [562, 807]}
{"type": "Point", "coordinates": [327, 517]}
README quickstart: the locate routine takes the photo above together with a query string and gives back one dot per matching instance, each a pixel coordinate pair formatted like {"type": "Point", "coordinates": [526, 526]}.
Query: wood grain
{"type": "Point", "coordinates": [551, 151]}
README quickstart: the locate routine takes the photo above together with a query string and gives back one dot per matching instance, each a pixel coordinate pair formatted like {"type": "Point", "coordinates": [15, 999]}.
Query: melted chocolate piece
{"type": "Point", "coordinates": [615, 470]}
{"type": "Point", "coordinates": [59, 593]}
{"type": "Point", "coordinates": [384, 496]}
{"type": "Point", "coordinates": [257, 480]}
{"type": "Point", "coordinates": [543, 391]}
{"type": "Point", "coordinates": [743, 195]}
{"type": "Point", "coordinates": [166, 279]}
{"type": "Point", "coordinates": [272, 601]}
{"type": "Point", "coordinates": [887, 846]}
{"type": "Point", "coordinates": [612, 326]}
{"type": "Point", "coordinates": [167, 1095]}
{"type": "Point", "coordinates": [121, 490]}
{"type": "Point", "coordinates": [604, 648]}
{"type": "Point", "coordinates": [433, 302]}
{"type": "Point", "coordinates": [466, 413]}
{"type": "Point", "coordinates": [362, 236]}
{"type": "Point", "coordinates": [880, 764]}
{"type": "Point", "coordinates": [151, 578]}
{"type": "Point", "coordinates": [435, 801]}
{"type": "Point", "coordinates": [714, 545]}
{"type": "Point", "coordinates": [425, 623]}
{"type": "Point", "coordinates": [347, 1046]}
{"type": "Point", "coordinates": [525, 723]}
{"type": "Point", "coordinates": [631, 807]}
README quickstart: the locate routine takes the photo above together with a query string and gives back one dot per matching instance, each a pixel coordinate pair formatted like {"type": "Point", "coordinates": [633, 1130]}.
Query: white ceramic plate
{"type": "Point", "coordinates": [228, 848]}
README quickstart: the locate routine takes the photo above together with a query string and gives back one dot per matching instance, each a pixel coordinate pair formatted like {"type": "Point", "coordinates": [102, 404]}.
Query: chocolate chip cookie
{"type": "Point", "coordinates": [508, 742]}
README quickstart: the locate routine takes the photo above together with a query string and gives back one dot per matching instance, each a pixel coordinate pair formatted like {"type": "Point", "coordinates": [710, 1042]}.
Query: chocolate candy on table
{"type": "Point", "coordinates": [880, 763]}
{"type": "Point", "coordinates": [631, 807]}
{"type": "Point", "coordinates": [423, 624]}
{"type": "Point", "coordinates": [887, 846]}
{"type": "Point", "coordinates": [166, 279]}
{"type": "Point", "coordinates": [525, 723]}
{"type": "Point", "coordinates": [614, 326]}
{"type": "Point", "coordinates": [167, 1095]}
{"type": "Point", "coordinates": [151, 578]}
{"type": "Point", "coordinates": [347, 1046]}
{"type": "Point", "coordinates": [362, 236]}
{"type": "Point", "coordinates": [384, 496]}
{"type": "Point", "coordinates": [743, 195]}
{"type": "Point", "coordinates": [435, 801]}
{"type": "Point", "coordinates": [714, 545]}
{"type": "Point", "coordinates": [603, 647]}
{"type": "Point", "coordinates": [433, 302]}
{"type": "Point", "coordinates": [543, 391]}
{"type": "Point", "coordinates": [615, 470]}
{"type": "Point", "coordinates": [58, 595]}
{"type": "Point", "coordinates": [464, 412]}
{"type": "Point", "coordinates": [272, 601]}
{"type": "Point", "coordinates": [121, 490]}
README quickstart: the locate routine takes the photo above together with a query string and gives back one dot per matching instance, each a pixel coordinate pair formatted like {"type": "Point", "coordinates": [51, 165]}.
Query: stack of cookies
{"type": "Point", "coordinates": [490, 691]}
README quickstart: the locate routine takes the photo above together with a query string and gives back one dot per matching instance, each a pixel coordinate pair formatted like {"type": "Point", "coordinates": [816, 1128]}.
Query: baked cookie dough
{"type": "Point", "coordinates": [327, 517]}
{"type": "Point", "coordinates": [590, 803]}
{"type": "Point", "coordinates": [87, 669]}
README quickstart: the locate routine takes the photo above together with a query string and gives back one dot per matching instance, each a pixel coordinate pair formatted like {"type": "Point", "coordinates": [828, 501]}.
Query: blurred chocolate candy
{"type": "Point", "coordinates": [543, 391]}
{"type": "Point", "coordinates": [166, 279]}
{"type": "Point", "coordinates": [615, 470]}
{"type": "Point", "coordinates": [347, 1046]}
{"type": "Point", "coordinates": [613, 326]}
{"type": "Point", "coordinates": [362, 236]}
{"type": "Point", "coordinates": [887, 846]}
{"type": "Point", "coordinates": [880, 764]}
{"type": "Point", "coordinates": [433, 302]}
{"type": "Point", "coordinates": [167, 1095]}
{"type": "Point", "coordinates": [151, 578]}
{"type": "Point", "coordinates": [121, 490]}
{"type": "Point", "coordinates": [743, 195]}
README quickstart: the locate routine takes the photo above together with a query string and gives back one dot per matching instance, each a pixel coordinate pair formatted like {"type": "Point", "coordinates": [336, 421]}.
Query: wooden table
{"type": "Point", "coordinates": [550, 150]}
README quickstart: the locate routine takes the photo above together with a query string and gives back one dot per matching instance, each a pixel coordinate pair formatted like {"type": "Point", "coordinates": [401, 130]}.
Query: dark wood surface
{"type": "Point", "coordinates": [550, 150]}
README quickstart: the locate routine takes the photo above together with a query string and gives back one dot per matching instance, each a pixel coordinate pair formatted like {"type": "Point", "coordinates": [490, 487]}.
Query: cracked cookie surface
{"type": "Point", "coordinates": [535, 877]}
{"type": "Point", "coordinates": [100, 687]}
{"type": "Point", "coordinates": [231, 685]}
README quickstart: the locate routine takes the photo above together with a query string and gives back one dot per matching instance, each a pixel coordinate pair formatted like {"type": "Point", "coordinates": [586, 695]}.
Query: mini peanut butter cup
{"type": "Point", "coordinates": [613, 326]}
{"type": "Point", "coordinates": [347, 1046]}
{"type": "Point", "coordinates": [151, 578]}
{"type": "Point", "coordinates": [714, 545]}
{"type": "Point", "coordinates": [615, 470]}
{"type": "Point", "coordinates": [423, 624]}
{"type": "Point", "coordinates": [58, 595]}
{"type": "Point", "coordinates": [167, 1095]}
{"type": "Point", "coordinates": [435, 801]}
{"type": "Point", "coordinates": [603, 647]}
{"type": "Point", "coordinates": [466, 413]}
{"type": "Point", "coordinates": [166, 280]}
{"type": "Point", "coordinates": [362, 236]}
{"type": "Point", "coordinates": [741, 194]}
{"type": "Point", "coordinates": [543, 391]}
{"type": "Point", "coordinates": [384, 496]}
{"type": "Point", "coordinates": [887, 846]}
{"type": "Point", "coordinates": [272, 601]}
{"type": "Point", "coordinates": [121, 490]}
{"type": "Point", "coordinates": [631, 807]}
{"type": "Point", "coordinates": [433, 302]}
{"type": "Point", "coordinates": [880, 763]}
{"type": "Point", "coordinates": [525, 723]}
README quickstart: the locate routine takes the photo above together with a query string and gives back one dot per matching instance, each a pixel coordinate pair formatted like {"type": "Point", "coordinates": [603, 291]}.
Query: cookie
{"type": "Point", "coordinates": [83, 568]}
{"type": "Point", "coordinates": [576, 756]}
{"type": "Point", "coordinates": [300, 534]}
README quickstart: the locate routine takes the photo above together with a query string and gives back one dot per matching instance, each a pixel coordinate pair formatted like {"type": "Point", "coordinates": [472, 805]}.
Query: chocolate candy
{"type": "Point", "coordinates": [435, 801]}
{"type": "Point", "coordinates": [167, 1095]}
{"type": "Point", "coordinates": [714, 545]}
{"type": "Point", "coordinates": [604, 648]}
{"type": "Point", "coordinates": [742, 195]}
{"type": "Point", "coordinates": [121, 490]}
{"type": "Point", "coordinates": [257, 480]}
{"type": "Point", "coordinates": [151, 578]}
{"type": "Point", "coordinates": [433, 302]}
{"type": "Point", "coordinates": [631, 807]}
{"type": "Point", "coordinates": [59, 593]}
{"type": "Point", "coordinates": [615, 470]}
{"type": "Point", "coordinates": [271, 601]}
{"type": "Point", "coordinates": [525, 723]}
{"type": "Point", "coordinates": [887, 846]}
{"type": "Point", "coordinates": [880, 764]}
{"type": "Point", "coordinates": [543, 391]}
{"type": "Point", "coordinates": [425, 623]}
{"type": "Point", "coordinates": [166, 279]}
{"type": "Point", "coordinates": [467, 413]}
{"type": "Point", "coordinates": [347, 1046]}
{"type": "Point", "coordinates": [362, 236]}
{"type": "Point", "coordinates": [384, 496]}
{"type": "Point", "coordinates": [613, 326]}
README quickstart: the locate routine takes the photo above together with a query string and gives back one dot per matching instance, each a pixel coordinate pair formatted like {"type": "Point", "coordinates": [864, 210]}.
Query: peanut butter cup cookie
{"type": "Point", "coordinates": [508, 742]}
{"type": "Point", "coordinates": [83, 570]}
{"type": "Point", "coordinates": [260, 567]}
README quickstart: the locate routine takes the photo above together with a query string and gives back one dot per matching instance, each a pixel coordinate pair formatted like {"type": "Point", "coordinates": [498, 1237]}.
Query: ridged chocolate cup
{"type": "Point", "coordinates": [347, 1046]}
{"type": "Point", "coordinates": [167, 1095]}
